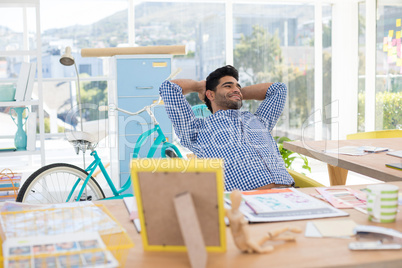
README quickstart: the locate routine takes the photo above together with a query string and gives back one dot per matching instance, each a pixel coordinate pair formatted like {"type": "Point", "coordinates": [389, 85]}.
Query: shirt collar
{"type": "Point", "coordinates": [231, 113]}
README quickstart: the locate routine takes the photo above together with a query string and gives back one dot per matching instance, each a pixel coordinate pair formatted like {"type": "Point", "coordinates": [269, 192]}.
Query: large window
{"type": "Point", "coordinates": [389, 67]}
{"type": "Point", "coordinates": [278, 48]}
{"type": "Point", "coordinates": [76, 24]}
{"type": "Point", "coordinates": [269, 40]}
{"type": "Point", "coordinates": [275, 43]}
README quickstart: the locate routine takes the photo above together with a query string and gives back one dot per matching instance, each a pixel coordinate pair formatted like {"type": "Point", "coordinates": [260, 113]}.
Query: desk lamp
{"type": "Point", "coordinates": [67, 60]}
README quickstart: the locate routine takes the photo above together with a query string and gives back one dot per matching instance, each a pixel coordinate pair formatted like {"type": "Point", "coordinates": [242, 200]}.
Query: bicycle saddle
{"type": "Point", "coordinates": [81, 140]}
{"type": "Point", "coordinates": [170, 153]}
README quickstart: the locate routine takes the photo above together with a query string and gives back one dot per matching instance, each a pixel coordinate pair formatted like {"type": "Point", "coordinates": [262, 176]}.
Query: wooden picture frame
{"type": "Point", "coordinates": [157, 181]}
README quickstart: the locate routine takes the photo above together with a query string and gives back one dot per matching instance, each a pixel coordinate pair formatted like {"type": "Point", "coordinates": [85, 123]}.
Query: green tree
{"type": "Point", "coordinates": [259, 56]}
{"type": "Point", "coordinates": [93, 92]}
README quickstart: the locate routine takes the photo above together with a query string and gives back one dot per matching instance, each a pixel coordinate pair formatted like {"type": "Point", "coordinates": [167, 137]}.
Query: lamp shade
{"type": "Point", "coordinates": [67, 59]}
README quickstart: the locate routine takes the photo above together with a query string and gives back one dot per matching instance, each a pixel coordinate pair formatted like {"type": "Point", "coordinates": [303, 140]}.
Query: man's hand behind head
{"type": "Point", "coordinates": [189, 86]}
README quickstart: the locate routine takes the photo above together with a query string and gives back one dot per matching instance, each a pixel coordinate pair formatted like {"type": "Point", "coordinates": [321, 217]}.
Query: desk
{"type": "Point", "coordinates": [372, 165]}
{"type": "Point", "coordinates": [305, 252]}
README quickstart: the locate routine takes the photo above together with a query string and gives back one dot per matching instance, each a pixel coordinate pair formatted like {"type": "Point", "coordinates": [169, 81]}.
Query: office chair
{"type": "Point", "coordinates": [201, 110]}
{"type": "Point", "coordinates": [302, 181]}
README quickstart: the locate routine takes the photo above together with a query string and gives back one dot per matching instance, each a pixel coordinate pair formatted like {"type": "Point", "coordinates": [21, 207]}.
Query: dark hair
{"type": "Point", "coordinates": [213, 78]}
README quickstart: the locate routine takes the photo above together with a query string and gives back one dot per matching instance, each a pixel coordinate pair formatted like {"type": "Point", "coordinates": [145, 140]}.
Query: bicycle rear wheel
{"type": "Point", "coordinates": [53, 183]}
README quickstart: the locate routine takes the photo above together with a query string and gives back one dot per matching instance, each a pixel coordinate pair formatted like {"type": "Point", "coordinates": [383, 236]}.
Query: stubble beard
{"type": "Point", "coordinates": [230, 104]}
{"type": "Point", "coordinates": [235, 105]}
{"type": "Point", "coordinates": [225, 102]}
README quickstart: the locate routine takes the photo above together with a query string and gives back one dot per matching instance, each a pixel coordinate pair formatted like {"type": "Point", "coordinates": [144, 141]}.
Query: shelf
{"type": "Point", "coordinates": [18, 103]}
{"type": "Point", "coordinates": [17, 52]}
{"type": "Point", "coordinates": [20, 153]}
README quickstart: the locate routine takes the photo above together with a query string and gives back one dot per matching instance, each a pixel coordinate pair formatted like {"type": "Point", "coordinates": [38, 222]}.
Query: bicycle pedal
{"type": "Point", "coordinates": [84, 197]}
{"type": "Point", "coordinates": [89, 198]}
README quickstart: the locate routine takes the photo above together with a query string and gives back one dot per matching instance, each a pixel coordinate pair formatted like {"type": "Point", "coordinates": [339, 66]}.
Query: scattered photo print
{"type": "Point", "coordinates": [66, 246]}
{"type": "Point", "coordinates": [19, 263]}
{"type": "Point", "coordinates": [95, 258]}
{"type": "Point", "coordinates": [41, 249]}
{"type": "Point", "coordinates": [89, 244]}
{"type": "Point", "coordinates": [24, 250]}
{"type": "Point", "coordinates": [49, 262]}
{"type": "Point", "coordinates": [71, 261]}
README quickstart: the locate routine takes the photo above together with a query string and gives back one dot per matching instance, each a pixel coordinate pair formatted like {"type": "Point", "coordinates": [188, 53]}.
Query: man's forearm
{"type": "Point", "coordinates": [189, 85]}
{"type": "Point", "coordinates": [255, 92]}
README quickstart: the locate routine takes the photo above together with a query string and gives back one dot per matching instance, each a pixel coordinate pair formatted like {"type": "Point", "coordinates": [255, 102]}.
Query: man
{"type": "Point", "coordinates": [251, 156]}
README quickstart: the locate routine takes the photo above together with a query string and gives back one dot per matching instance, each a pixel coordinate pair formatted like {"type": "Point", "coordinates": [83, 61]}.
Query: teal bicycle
{"type": "Point", "coordinates": [61, 182]}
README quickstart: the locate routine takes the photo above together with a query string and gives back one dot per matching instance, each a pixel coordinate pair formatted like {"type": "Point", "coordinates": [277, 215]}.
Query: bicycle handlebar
{"type": "Point", "coordinates": [111, 107]}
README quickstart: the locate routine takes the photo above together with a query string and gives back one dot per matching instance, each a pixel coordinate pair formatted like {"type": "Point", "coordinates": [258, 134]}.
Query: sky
{"type": "Point", "coordinates": [62, 13]}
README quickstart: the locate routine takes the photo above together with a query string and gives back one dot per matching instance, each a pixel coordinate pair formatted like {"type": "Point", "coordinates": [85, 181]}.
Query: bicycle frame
{"type": "Point", "coordinates": [161, 139]}
{"type": "Point", "coordinates": [91, 169]}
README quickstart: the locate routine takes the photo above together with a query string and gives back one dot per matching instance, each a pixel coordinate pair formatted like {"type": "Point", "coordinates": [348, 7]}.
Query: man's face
{"type": "Point", "coordinates": [228, 94]}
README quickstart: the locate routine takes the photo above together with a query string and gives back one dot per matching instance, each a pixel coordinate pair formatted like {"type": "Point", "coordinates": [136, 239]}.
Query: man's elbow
{"type": "Point", "coordinates": [282, 88]}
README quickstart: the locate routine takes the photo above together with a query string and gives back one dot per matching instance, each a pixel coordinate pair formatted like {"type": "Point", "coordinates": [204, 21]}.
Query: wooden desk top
{"type": "Point", "coordinates": [305, 252]}
{"type": "Point", "coordinates": [372, 165]}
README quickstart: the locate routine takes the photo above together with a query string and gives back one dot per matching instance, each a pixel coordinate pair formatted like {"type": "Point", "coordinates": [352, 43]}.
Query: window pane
{"type": "Point", "coordinates": [389, 67]}
{"type": "Point", "coordinates": [278, 48]}
{"type": "Point", "coordinates": [327, 70]}
{"type": "Point", "coordinates": [362, 69]}
{"type": "Point", "coordinates": [78, 25]}
{"type": "Point", "coordinates": [12, 29]}
{"type": "Point", "coordinates": [199, 26]}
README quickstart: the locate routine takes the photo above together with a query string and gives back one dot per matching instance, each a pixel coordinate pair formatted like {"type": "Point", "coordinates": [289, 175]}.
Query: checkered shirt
{"type": "Point", "coordinates": [243, 140]}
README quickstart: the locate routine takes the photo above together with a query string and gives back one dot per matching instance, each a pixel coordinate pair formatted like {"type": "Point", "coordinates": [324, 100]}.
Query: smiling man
{"type": "Point", "coordinates": [251, 156]}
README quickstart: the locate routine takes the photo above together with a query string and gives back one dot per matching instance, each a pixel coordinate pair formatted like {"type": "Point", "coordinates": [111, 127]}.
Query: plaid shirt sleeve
{"type": "Point", "coordinates": [185, 124]}
{"type": "Point", "coordinates": [272, 106]}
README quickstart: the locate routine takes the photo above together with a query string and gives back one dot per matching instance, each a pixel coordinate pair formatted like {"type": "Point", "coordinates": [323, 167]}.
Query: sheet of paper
{"type": "Point", "coordinates": [348, 150]}
{"type": "Point", "coordinates": [311, 230]}
{"type": "Point", "coordinates": [335, 228]}
{"type": "Point", "coordinates": [344, 198]}
{"type": "Point", "coordinates": [356, 150]}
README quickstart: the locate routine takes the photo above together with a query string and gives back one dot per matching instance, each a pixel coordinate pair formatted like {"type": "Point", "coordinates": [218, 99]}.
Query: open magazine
{"type": "Point", "coordinates": [284, 205]}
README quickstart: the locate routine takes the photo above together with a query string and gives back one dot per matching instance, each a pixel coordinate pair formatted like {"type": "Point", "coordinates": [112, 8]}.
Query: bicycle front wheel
{"type": "Point", "coordinates": [54, 183]}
